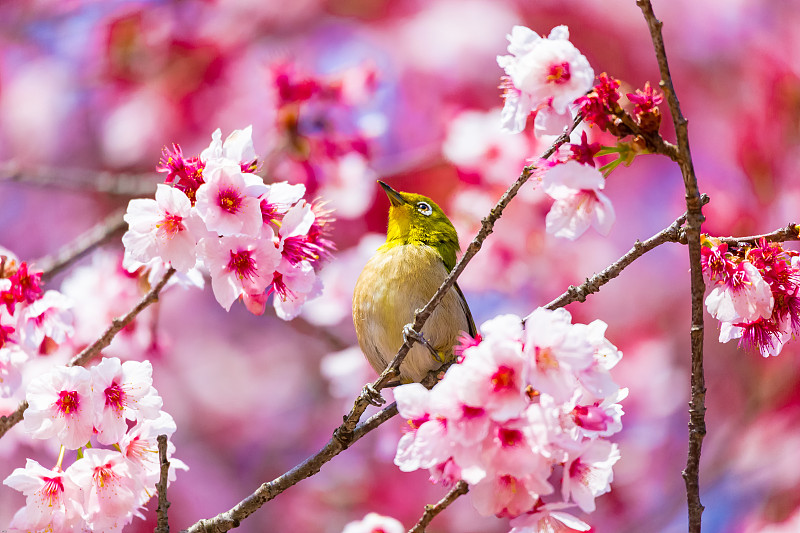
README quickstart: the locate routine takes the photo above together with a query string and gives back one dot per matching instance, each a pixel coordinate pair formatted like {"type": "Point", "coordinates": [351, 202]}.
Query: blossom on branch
{"type": "Point", "coordinates": [544, 76]}
{"type": "Point", "coordinates": [524, 412]}
{"type": "Point", "coordinates": [579, 200]}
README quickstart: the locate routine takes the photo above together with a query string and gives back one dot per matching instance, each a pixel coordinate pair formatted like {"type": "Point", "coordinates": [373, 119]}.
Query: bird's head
{"type": "Point", "coordinates": [416, 219]}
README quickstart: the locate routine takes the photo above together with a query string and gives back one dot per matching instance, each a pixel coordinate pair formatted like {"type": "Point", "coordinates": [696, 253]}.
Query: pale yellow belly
{"type": "Point", "coordinates": [394, 284]}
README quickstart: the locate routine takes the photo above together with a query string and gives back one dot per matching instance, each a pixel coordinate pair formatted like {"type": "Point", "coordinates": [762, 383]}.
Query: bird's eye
{"type": "Point", "coordinates": [424, 208]}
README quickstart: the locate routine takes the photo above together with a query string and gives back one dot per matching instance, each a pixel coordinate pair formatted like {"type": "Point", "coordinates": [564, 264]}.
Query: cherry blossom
{"type": "Point", "coordinates": [108, 489]}
{"type": "Point", "coordinates": [589, 473]}
{"type": "Point", "coordinates": [122, 391]}
{"type": "Point", "coordinates": [548, 518]}
{"type": "Point", "coordinates": [60, 406]}
{"type": "Point", "coordinates": [545, 75]}
{"type": "Point", "coordinates": [52, 499]}
{"type": "Point", "coordinates": [237, 149]}
{"type": "Point", "coordinates": [579, 201]}
{"type": "Point", "coordinates": [375, 523]}
{"type": "Point", "coordinates": [239, 265]}
{"type": "Point", "coordinates": [50, 316]}
{"type": "Point", "coordinates": [227, 201]}
{"type": "Point", "coordinates": [165, 228]}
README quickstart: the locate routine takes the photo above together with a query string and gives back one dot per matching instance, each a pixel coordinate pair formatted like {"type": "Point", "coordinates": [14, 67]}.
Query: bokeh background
{"type": "Point", "coordinates": [101, 86]}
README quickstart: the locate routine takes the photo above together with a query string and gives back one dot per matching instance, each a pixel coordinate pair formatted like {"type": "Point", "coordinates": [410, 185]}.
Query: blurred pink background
{"type": "Point", "coordinates": [103, 86]}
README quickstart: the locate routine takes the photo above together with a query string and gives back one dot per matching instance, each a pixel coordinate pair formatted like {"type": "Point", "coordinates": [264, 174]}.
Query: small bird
{"type": "Point", "coordinates": [402, 276]}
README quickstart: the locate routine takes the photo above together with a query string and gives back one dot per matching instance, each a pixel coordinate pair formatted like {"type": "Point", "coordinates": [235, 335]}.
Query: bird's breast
{"type": "Point", "coordinates": [393, 285]}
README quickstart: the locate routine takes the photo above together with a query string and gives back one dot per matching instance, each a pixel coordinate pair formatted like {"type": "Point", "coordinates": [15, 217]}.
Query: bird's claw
{"type": "Point", "coordinates": [372, 396]}
{"type": "Point", "coordinates": [410, 333]}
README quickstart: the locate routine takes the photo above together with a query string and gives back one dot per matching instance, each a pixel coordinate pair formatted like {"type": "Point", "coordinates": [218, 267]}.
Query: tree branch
{"type": "Point", "coordinates": [694, 208]}
{"type": "Point", "coordinates": [789, 233]}
{"type": "Point", "coordinates": [128, 185]}
{"type": "Point", "coordinates": [161, 487]}
{"type": "Point", "coordinates": [86, 242]}
{"type": "Point", "coordinates": [431, 511]}
{"type": "Point", "coordinates": [92, 351]}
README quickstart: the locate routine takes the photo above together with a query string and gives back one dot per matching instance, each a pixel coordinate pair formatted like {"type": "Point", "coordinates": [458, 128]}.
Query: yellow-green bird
{"type": "Point", "coordinates": [402, 276]}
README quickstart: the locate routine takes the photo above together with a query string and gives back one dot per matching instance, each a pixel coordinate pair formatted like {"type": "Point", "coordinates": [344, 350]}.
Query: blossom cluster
{"type": "Point", "coordinates": [522, 406]}
{"type": "Point", "coordinates": [113, 404]}
{"type": "Point", "coordinates": [754, 293]}
{"type": "Point", "coordinates": [544, 77]}
{"type": "Point", "coordinates": [32, 321]}
{"type": "Point", "coordinates": [252, 238]}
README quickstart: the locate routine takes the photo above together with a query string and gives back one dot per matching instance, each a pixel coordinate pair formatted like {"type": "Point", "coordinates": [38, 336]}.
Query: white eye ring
{"type": "Point", "coordinates": [424, 208]}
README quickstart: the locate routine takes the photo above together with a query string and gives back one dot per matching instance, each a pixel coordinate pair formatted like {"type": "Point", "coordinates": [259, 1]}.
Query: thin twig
{"type": "Point", "coordinates": [161, 487]}
{"type": "Point", "coordinates": [118, 184]}
{"type": "Point", "coordinates": [93, 350]}
{"type": "Point", "coordinates": [86, 242]}
{"type": "Point", "coordinates": [694, 208]}
{"type": "Point", "coordinates": [789, 233]}
{"type": "Point", "coordinates": [459, 489]}
{"type": "Point", "coordinates": [350, 430]}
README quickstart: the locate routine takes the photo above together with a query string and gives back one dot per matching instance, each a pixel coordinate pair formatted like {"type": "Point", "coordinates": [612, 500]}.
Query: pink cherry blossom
{"type": "Point", "coordinates": [589, 473]}
{"type": "Point", "coordinates": [137, 446]}
{"type": "Point", "coordinates": [548, 518]}
{"type": "Point", "coordinates": [237, 148]}
{"type": "Point", "coordinates": [549, 73]}
{"type": "Point", "coordinates": [375, 523]}
{"type": "Point", "coordinates": [426, 443]}
{"type": "Point", "coordinates": [12, 358]}
{"type": "Point", "coordinates": [744, 296]}
{"type": "Point", "coordinates": [60, 406]}
{"type": "Point", "coordinates": [227, 201]}
{"type": "Point", "coordinates": [293, 285]}
{"type": "Point", "coordinates": [556, 352]}
{"type": "Point", "coordinates": [505, 495]}
{"type": "Point", "coordinates": [239, 264]}
{"type": "Point", "coordinates": [495, 379]}
{"type": "Point", "coordinates": [50, 316]}
{"type": "Point", "coordinates": [166, 227]}
{"type": "Point", "coordinates": [52, 499]}
{"type": "Point", "coordinates": [122, 391]}
{"type": "Point", "coordinates": [579, 201]}
{"type": "Point", "coordinates": [108, 489]}
{"type": "Point", "coordinates": [278, 199]}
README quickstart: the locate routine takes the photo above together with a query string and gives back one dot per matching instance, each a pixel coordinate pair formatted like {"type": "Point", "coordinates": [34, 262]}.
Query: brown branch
{"type": "Point", "coordinates": [672, 233]}
{"type": "Point", "coordinates": [789, 233]}
{"type": "Point", "coordinates": [86, 242]}
{"type": "Point", "coordinates": [459, 489]}
{"type": "Point", "coordinates": [92, 351]}
{"type": "Point", "coordinates": [117, 184]}
{"type": "Point", "coordinates": [161, 487]}
{"type": "Point", "coordinates": [694, 219]}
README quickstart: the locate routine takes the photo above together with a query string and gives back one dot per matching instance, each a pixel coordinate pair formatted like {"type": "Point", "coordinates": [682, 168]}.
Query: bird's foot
{"type": "Point", "coordinates": [372, 396]}
{"type": "Point", "coordinates": [409, 333]}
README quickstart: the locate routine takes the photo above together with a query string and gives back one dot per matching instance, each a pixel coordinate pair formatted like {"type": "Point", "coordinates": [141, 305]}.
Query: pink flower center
{"type": "Point", "coordinates": [591, 417]}
{"type": "Point", "coordinates": [509, 482]}
{"type": "Point", "coordinates": [115, 397]}
{"type": "Point", "coordinates": [67, 401]}
{"type": "Point", "coordinates": [415, 423]}
{"type": "Point", "coordinates": [580, 472]}
{"type": "Point", "coordinates": [509, 437]}
{"type": "Point", "coordinates": [559, 73]}
{"type": "Point", "coordinates": [229, 200]}
{"type": "Point", "coordinates": [243, 264]}
{"type": "Point", "coordinates": [472, 412]}
{"type": "Point", "coordinates": [52, 490]}
{"type": "Point", "coordinates": [171, 225]}
{"type": "Point", "coordinates": [503, 378]}
{"type": "Point", "coordinates": [102, 475]}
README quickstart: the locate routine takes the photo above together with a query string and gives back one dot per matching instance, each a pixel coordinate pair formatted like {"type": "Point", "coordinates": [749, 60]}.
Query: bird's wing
{"type": "Point", "coordinates": [473, 331]}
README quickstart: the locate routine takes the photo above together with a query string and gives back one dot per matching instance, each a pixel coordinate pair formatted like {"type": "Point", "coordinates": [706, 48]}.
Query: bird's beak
{"type": "Point", "coordinates": [394, 196]}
